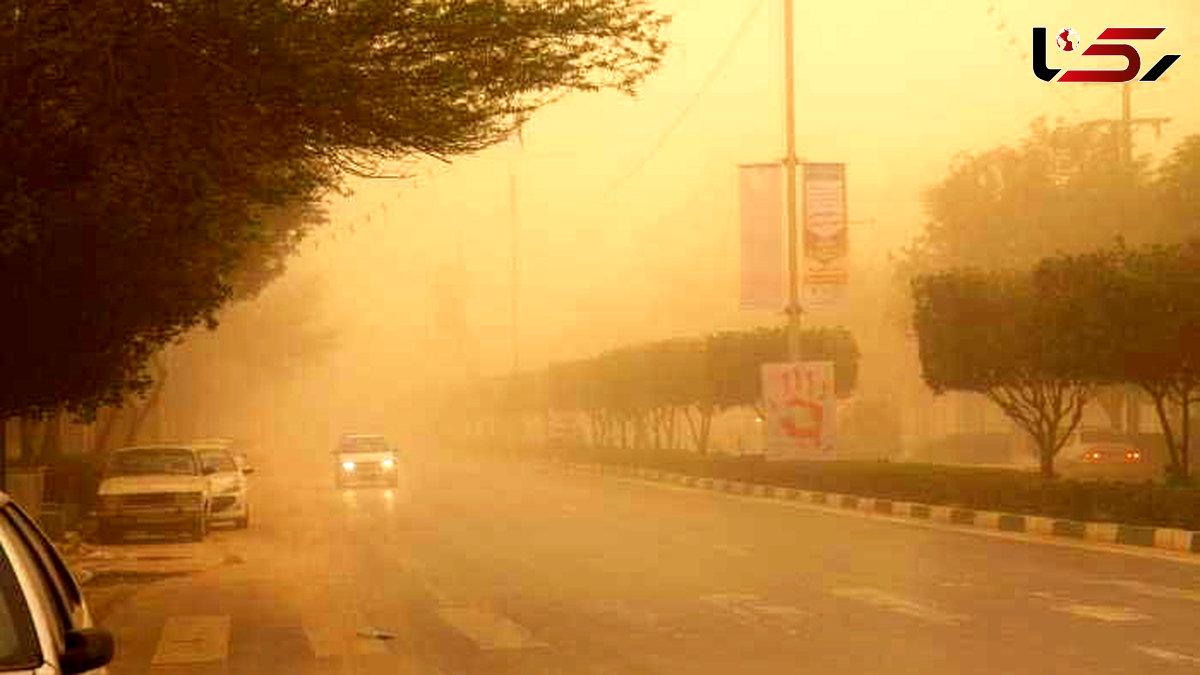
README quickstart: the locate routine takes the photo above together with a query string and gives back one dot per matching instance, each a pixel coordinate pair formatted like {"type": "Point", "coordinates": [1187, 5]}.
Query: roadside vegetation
{"type": "Point", "coordinates": [656, 395]}
{"type": "Point", "coordinates": [163, 160]}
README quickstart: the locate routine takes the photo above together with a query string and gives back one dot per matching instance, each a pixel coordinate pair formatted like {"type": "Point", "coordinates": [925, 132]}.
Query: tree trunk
{"type": "Point", "coordinates": [701, 427]}
{"type": "Point", "coordinates": [1185, 427]}
{"type": "Point", "coordinates": [50, 437]}
{"type": "Point", "coordinates": [1164, 420]}
{"type": "Point", "coordinates": [143, 411]}
{"type": "Point", "coordinates": [1046, 459]}
{"type": "Point", "coordinates": [105, 419]}
{"type": "Point", "coordinates": [27, 431]}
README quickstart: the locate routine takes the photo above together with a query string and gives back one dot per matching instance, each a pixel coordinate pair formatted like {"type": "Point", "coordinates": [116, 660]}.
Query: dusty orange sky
{"type": "Point", "coordinates": [627, 207]}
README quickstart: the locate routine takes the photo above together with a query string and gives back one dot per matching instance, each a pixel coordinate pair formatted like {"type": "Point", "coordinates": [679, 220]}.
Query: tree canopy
{"type": "Point", "coordinates": [634, 394]}
{"type": "Point", "coordinates": [150, 147]}
{"type": "Point", "coordinates": [1058, 189]}
{"type": "Point", "coordinates": [1133, 316]}
{"type": "Point", "coordinates": [993, 333]}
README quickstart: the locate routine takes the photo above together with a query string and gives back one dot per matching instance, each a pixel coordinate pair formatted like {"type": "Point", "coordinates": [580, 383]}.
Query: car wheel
{"type": "Point", "coordinates": [199, 528]}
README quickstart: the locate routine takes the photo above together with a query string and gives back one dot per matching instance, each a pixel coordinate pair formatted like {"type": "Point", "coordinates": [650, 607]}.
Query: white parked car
{"type": "Point", "coordinates": [235, 448]}
{"type": "Point", "coordinates": [227, 485]}
{"type": "Point", "coordinates": [45, 625]}
{"type": "Point", "coordinates": [153, 488]}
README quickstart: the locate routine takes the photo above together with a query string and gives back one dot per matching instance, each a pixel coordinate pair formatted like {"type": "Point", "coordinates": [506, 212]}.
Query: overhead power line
{"type": "Point", "coordinates": [704, 85]}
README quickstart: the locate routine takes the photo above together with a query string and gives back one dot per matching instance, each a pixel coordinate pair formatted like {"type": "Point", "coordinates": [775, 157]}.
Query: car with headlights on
{"type": "Point", "coordinates": [46, 627]}
{"type": "Point", "coordinates": [229, 501]}
{"type": "Point", "coordinates": [1100, 453]}
{"type": "Point", "coordinates": [364, 459]}
{"type": "Point", "coordinates": [153, 488]}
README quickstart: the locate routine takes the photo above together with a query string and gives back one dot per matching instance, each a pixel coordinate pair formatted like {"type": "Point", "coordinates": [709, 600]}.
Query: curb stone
{"type": "Point", "coordinates": [1170, 539]}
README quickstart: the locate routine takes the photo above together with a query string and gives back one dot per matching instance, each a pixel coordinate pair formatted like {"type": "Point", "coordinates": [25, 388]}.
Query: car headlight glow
{"type": "Point", "coordinates": [387, 463]}
{"type": "Point", "coordinates": [348, 466]}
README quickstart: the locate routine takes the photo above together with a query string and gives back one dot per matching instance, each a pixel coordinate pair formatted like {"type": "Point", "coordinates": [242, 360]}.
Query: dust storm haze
{"type": "Point", "coordinates": [623, 211]}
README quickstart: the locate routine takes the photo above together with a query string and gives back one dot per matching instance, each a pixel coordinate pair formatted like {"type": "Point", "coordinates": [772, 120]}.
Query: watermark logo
{"type": "Point", "coordinates": [1105, 45]}
{"type": "Point", "coordinates": [1068, 40]}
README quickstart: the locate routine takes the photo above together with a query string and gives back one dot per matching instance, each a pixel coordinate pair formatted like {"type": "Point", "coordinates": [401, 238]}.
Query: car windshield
{"type": "Point", "coordinates": [150, 461]}
{"type": "Point", "coordinates": [363, 444]}
{"type": "Point", "coordinates": [218, 460]}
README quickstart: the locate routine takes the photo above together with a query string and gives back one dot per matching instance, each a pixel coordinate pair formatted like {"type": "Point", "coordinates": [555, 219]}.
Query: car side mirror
{"type": "Point", "coordinates": [248, 469]}
{"type": "Point", "coordinates": [86, 649]}
{"type": "Point", "coordinates": [208, 470]}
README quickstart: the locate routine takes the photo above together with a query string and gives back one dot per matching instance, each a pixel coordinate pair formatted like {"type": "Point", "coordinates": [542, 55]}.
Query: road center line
{"type": "Point", "coordinates": [488, 630]}
{"type": "Point", "coordinates": [899, 605]}
{"type": "Point", "coordinates": [1167, 655]}
{"type": "Point", "coordinates": [1104, 613]}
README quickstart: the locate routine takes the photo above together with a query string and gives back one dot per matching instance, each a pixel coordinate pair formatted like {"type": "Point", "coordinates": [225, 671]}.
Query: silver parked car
{"type": "Point", "coordinates": [228, 485]}
{"type": "Point", "coordinates": [45, 625]}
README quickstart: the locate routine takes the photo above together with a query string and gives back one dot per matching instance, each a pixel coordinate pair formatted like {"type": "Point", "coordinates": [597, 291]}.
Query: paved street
{"type": "Point", "coordinates": [471, 568]}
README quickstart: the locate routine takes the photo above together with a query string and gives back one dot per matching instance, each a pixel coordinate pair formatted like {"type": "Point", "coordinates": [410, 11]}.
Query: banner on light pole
{"type": "Point", "coordinates": [760, 191]}
{"type": "Point", "coordinates": [826, 240]}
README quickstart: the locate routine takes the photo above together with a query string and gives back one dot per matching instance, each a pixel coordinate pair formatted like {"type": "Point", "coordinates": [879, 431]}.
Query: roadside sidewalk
{"type": "Point", "coordinates": [144, 558]}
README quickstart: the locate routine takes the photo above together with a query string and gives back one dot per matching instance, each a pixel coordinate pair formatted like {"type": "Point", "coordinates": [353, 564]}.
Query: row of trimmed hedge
{"type": "Point", "coordinates": [1011, 491]}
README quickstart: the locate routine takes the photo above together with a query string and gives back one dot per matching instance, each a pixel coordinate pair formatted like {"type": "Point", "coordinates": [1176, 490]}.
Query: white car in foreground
{"type": "Point", "coordinates": [227, 484]}
{"type": "Point", "coordinates": [153, 488]}
{"type": "Point", "coordinates": [45, 625]}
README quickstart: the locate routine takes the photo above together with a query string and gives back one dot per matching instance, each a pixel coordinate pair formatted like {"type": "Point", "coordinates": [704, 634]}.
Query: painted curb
{"type": "Point", "coordinates": [1170, 539]}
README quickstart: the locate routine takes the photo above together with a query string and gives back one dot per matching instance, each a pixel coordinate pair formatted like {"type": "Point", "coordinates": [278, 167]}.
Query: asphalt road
{"type": "Point", "coordinates": [492, 568]}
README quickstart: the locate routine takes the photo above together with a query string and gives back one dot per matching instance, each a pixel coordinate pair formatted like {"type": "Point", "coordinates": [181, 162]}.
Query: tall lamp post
{"type": "Point", "coordinates": [790, 161]}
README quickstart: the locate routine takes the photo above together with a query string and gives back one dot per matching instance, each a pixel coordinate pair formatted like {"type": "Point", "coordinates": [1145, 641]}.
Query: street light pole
{"type": "Point", "coordinates": [514, 231]}
{"type": "Point", "coordinates": [790, 161]}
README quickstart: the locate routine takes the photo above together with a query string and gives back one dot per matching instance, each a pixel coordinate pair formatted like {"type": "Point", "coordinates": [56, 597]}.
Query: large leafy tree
{"type": "Point", "coordinates": [146, 144]}
{"type": "Point", "coordinates": [1133, 315]}
{"type": "Point", "coordinates": [1060, 188]}
{"type": "Point", "coordinates": [997, 334]}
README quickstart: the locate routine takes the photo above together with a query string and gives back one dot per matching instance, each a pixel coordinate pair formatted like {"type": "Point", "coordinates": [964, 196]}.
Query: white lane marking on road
{"type": "Point", "coordinates": [193, 638]}
{"type": "Point", "coordinates": [1151, 590]}
{"type": "Point", "coordinates": [1110, 613]}
{"type": "Point", "coordinates": [753, 611]}
{"type": "Point", "coordinates": [488, 630]}
{"type": "Point", "coordinates": [900, 605]}
{"type": "Point", "coordinates": [337, 635]}
{"type": "Point", "coordinates": [1104, 613]}
{"type": "Point", "coordinates": [1167, 655]}
{"type": "Point", "coordinates": [736, 551]}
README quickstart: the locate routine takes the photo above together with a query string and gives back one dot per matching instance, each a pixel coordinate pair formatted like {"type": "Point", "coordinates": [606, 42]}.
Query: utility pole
{"type": "Point", "coordinates": [514, 230]}
{"type": "Point", "coordinates": [1124, 126]}
{"type": "Point", "coordinates": [789, 162]}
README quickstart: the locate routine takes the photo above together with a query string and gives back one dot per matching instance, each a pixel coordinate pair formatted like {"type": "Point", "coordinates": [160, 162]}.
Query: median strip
{"type": "Point", "coordinates": [1170, 539]}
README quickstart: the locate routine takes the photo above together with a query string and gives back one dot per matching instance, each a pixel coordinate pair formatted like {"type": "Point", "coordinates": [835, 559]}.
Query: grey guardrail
{"type": "Point", "coordinates": [1110, 533]}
